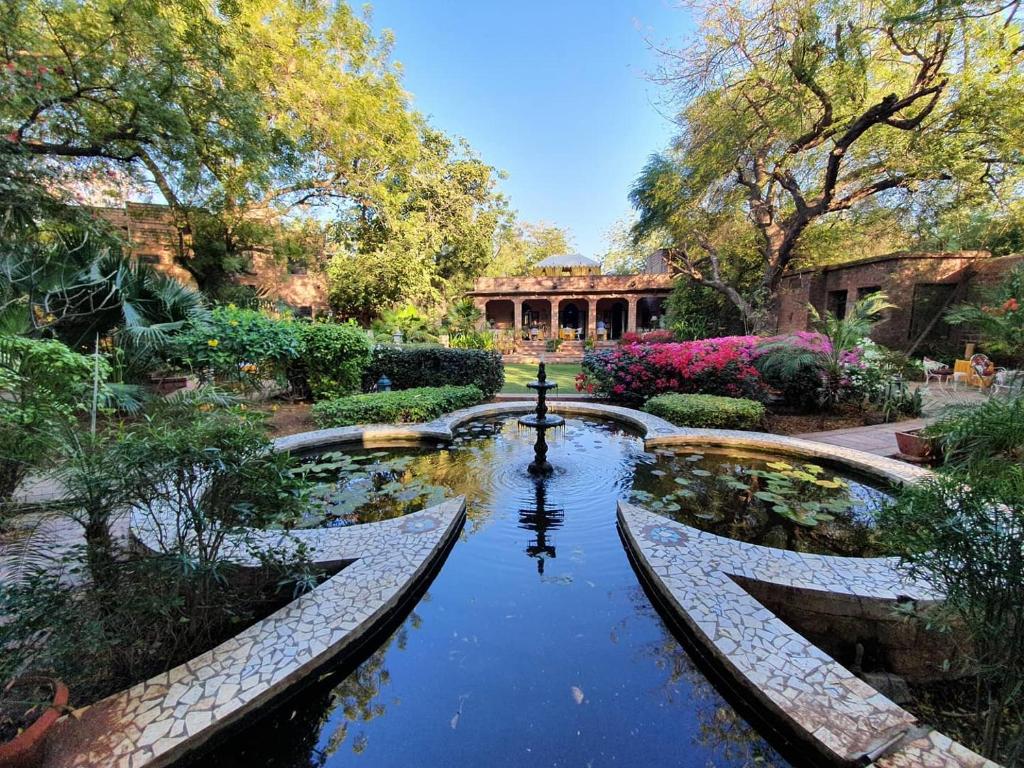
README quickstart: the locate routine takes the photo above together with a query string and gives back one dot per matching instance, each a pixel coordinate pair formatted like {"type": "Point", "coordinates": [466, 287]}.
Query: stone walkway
{"type": "Point", "coordinates": [880, 439]}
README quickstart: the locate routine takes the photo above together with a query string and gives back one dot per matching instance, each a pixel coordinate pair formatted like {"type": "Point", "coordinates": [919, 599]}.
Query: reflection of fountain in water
{"type": "Point", "coordinates": [541, 421]}
{"type": "Point", "coordinates": [540, 519]}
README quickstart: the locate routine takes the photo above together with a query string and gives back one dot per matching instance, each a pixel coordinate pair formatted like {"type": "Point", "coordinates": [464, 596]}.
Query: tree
{"type": "Point", "coordinates": [798, 111]}
{"type": "Point", "coordinates": [520, 245]}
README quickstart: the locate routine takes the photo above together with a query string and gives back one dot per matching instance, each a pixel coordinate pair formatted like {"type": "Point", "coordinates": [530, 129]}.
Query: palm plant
{"type": "Point", "coordinates": [1000, 320]}
{"type": "Point", "coordinates": [830, 359]}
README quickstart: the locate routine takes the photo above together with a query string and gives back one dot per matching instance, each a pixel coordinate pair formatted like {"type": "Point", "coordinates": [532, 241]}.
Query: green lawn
{"type": "Point", "coordinates": [563, 374]}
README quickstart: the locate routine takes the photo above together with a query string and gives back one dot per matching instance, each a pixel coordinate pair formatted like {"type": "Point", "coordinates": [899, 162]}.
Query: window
{"type": "Point", "coordinates": [867, 291]}
{"type": "Point", "coordinates": [837, 303]}
{"type": "Point", "coordinates": [930, 301]}
{"type": "Point", "coordinates": [304, 311]}
{"type": "Point", "coordinates": [149, 258]}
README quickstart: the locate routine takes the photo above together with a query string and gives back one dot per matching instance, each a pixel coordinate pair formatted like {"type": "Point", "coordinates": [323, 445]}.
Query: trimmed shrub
{"type": "Point", "coordinates": [435, 366]}
{"type": "Point", "coordinates": [707, 411]}
{"type": "Point", "coordinates": [399, 407]}
{"type": "Point", "coordinates": [334, 358]}
{"type": "Point", "coordinates": [635, 372]}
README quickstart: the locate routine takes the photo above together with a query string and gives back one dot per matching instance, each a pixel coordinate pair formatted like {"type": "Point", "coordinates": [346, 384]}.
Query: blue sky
{"type": "Point", "coordinates": [554, 93]}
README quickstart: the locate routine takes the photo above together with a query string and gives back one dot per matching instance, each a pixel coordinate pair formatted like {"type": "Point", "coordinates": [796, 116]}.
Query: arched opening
{"type": "Point", "coordinates": [499, 315]}
{"type": "Point", "coordinates": [536, 320]}
{"type": "Point", "coordinates": [572, 319]}
{"type": "Point", "coordinates": [650, 313]}
{"type": "Point", "coordinates": [612, 316]}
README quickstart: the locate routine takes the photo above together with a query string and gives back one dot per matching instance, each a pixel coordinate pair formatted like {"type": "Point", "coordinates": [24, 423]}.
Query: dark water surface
{"type": "Point", "coordinates": [534, 646]}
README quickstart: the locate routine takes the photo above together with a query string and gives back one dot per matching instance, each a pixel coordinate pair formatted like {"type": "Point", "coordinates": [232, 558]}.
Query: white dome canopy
{"type": "Point", "coordinates": [568, 260]}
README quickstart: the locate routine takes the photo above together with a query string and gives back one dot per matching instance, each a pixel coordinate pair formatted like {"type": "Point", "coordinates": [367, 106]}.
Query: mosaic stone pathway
{"type": "Point", "coordinates": [843, 718]}
{"type": "Point", "coordinates": [154, 723]}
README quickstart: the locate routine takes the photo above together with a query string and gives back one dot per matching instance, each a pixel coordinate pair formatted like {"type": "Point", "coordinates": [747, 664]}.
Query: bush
{"type": "Point", "coordinates": [399, 407]}
{"type": "Point", "coordinates": [333, 359]}
{"type": "Point", "coordinates": [963, 533]}
{"type": "Point", "coordinates": [473, 340]}
{"type": "Point", "coordinates": [633, 373]}
{"type": "Point", "coordinates": [977, 433]}
{"type": "Point", "coordinates": [238, 345]}
{"type": "Point", "coordinates": [42, 386]}
{"type": "Point", "coordinates": [661, 336]}
{"type": "Point", "coordinates": [707, 411]}
{"type": "Point", "coordinates": [433, 366]}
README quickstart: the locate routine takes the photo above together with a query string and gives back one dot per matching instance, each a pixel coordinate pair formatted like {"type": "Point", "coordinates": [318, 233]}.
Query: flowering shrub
{"type": "Point", "coordinates": [235, 345]}
{"type": "Point", "coordinates": [651, 337]}
{"type": "Point", "coordinates": [632, 373]}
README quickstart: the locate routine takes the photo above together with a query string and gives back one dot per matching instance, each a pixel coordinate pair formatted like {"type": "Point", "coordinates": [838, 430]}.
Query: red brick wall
{"type": "Point", "coordinates": [896, 275]}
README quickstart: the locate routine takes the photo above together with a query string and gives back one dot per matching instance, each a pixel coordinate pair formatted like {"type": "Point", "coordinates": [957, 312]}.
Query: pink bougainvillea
{"type": "Point", "coordinates": [632, 373]}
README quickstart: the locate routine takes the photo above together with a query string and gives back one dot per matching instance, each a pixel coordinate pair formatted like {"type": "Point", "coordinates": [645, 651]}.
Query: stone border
{"type": "Point", "coordinates": [830, 709]}
{"type": "Point", "coordinates": [158, 721]}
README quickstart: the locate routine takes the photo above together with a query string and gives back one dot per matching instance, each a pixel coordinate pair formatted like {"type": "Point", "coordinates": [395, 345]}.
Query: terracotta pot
{"type": "Point", "coordinates": [915, 446]}
{"type": "Point", "coordinates": [26, 749]}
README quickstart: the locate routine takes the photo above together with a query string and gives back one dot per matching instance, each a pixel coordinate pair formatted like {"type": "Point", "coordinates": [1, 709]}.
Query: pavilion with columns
{"type": "Point", "coordinates": [567, 297]}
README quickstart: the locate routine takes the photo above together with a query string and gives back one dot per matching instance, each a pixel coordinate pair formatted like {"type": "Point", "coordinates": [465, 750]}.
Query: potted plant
{"type": "Point", "coordinates": [29, 707]}
{"type": "Point", "coordinates": [918, 445]}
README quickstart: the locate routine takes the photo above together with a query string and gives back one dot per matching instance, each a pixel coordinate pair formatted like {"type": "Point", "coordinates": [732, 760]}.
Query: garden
{"type": "Point", "coordinates": [274, 492]}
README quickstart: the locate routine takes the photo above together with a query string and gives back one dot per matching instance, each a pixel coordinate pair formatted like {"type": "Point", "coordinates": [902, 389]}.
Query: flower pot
{"type": "Point", "coordinates": [26, 749]}
{"type": "Point", "coordinates": [913, 445]}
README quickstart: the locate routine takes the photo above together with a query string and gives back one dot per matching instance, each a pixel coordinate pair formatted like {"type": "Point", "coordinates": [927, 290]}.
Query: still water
{"type": "Point", "coordinates": [535, 644]}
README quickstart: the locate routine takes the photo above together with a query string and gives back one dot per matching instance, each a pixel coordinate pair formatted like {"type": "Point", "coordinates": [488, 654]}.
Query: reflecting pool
{"type": "Point", "coordinates": [534, 645]}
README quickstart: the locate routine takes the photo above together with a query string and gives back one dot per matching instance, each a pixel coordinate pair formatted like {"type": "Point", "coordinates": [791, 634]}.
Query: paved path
{"type": "Point", "coordinates": [879, 439]}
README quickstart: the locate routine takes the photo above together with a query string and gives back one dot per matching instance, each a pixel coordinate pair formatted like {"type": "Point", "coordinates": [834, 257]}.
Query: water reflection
{"type": "Point", "coordinates": [540, 519]}
{"type": "Point", "coordinates": [498, 667]}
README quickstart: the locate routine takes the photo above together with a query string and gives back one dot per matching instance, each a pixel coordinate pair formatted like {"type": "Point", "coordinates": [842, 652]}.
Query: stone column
{"type": "Point", "coordinates": [591, 332]}
{"type": "Point", "coordinates": [481, 304]}
{"type": "Point", "coordinates": [553, 331]}
{"type": "Point", "coordinates": [631, 315]}
{"type": "Point", "coordinates": [517, 318]}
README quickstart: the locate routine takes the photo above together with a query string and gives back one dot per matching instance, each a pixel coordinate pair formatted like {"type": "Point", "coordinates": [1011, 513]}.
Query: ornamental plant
{"type": "Point", "coordinates": [241, 346]}
{"type": "Point", "coordinates": [43, 386]}
{"type": "Point", "coordinates": [333, 358]}
{"type": "Point", "coordinates": [632, 373]}
{"type": "Point", "coordinates": [827, 359]}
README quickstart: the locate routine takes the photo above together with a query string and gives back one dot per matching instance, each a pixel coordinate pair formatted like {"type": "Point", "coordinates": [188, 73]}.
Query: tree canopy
{"type": "Point", "coordinates": [251, 118]}
{"type": "Point", "coordinates": [802, 112]}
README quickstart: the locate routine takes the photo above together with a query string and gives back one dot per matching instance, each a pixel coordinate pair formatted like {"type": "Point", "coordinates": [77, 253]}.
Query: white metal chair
{"type": "Point", "coordinates": [932, 370]}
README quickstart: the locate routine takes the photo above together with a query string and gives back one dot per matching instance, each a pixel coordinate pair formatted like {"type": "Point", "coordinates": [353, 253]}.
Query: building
{"type": "Point", "coordinates": [153, 238]}
{"type": "Point", "coordinates": [567, 297]}
{"type": "Point", "coordinates": [921, 285]}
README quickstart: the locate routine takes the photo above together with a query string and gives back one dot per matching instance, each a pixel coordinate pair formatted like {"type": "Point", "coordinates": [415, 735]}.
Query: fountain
{"type": "Point", "coordinates": [541, 421]}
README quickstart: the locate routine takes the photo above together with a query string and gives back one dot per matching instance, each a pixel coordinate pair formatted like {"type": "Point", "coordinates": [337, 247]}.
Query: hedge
{"type": "Point", "coordinates": [334, 358]}
{"type": "Point", "coordinates": [707, 411]}
{"type": "Point", "coordinates": [436, 366]}
{"type": "Point", "coordinates": [398, 407]}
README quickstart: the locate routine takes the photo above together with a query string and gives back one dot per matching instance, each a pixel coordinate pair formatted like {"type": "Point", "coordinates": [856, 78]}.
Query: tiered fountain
{"type": "Point", "coordinates": [541, 421]}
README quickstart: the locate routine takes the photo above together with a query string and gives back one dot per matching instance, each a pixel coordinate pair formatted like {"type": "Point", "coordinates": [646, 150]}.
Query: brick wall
{"type": "Point", "coordinates": [153, 237]}
{"type": "Point", "coordinates": [900, 275]}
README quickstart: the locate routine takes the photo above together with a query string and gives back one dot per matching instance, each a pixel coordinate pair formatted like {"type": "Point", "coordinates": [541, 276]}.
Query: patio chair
{"type": "Point", "coordinates": [933, 369]}
{"type": "Point", "coordinates": [1008, 379]}
{"type": "Point", "coordinates": [961, 372]}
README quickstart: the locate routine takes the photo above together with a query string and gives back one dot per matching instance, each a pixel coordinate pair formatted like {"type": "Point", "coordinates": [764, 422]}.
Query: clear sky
{"type": "Point", "coordinates": [556, 93]}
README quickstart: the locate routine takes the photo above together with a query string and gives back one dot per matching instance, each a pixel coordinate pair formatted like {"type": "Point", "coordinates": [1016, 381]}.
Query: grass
{"type": "Point", "coordinates": [564, 374]}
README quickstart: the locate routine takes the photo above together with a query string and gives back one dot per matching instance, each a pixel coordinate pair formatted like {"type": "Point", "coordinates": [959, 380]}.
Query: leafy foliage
{"type": "Point", "coordinates": [332, 360]}
{"type": "Point", "coordinates": [963, 533]}
{"type": "Point", "coordinates": [709, 411]}
{"type": "Point", "coordinates": [242, 346]}
{"type": "Point", "coordinates": [43, 386]}
{"type": "Point", "coordinates": [432, 366]}
{"type": "Point", "coordinates": [792, 362]}
{"type": "Point", "coordinates": [1000, 320]}
{"type": "Point", "coordinates": [407, 405]}
{"type": "Point", "coordinates": [981, 432]}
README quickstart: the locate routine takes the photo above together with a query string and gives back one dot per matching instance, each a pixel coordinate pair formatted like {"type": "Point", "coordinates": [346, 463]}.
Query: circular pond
{"type": "Point", "coordinates": [535, 644]}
